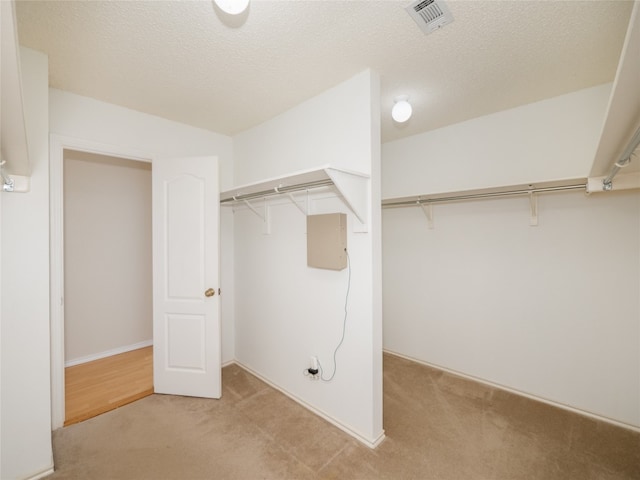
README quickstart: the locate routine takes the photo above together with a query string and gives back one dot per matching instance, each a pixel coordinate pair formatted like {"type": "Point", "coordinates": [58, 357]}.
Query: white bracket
{"type": "Point", "coordinates": [623, 181]}
{"type": "Point", "coordinates": [7, 184]}
{"type": "Point", "coordinates": [354, 190]}
{"type": "Point", "coordinates": [428, 212]}
{"type": "Point", "coordinates": [263, 216]}
{"type": "Point", "coordinates": [254, 210]}
{"type": "Point", "coordinates": [305, 212]}
{"type": "Point", "coordinates": [533, 204]}
{"type": "Point", "coordinates": [15, 183]}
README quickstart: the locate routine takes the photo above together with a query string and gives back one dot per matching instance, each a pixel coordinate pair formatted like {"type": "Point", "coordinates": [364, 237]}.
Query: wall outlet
{"type": "Point", "coordinates": [313, 367]}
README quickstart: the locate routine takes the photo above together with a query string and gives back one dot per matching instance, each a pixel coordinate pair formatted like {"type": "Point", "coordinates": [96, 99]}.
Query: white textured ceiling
{"type": "Point", "coordinates": [188, 62]}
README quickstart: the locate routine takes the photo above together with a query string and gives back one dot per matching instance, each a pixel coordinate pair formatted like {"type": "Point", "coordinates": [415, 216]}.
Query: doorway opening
{"type": "Point", "coordinates": [184, 251]}
{"type": "Point", "coordinates": [107, 282]}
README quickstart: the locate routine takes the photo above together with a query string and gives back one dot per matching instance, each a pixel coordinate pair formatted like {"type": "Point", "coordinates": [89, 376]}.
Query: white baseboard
{"type": "Point", "coordinates": [108, 353]}
{"type": "Point", "coordinates": [345, 428]}
{"type": "Point", "coordinates": [519, 392]}
{"type": "Point", "coordinates": [44, 473]}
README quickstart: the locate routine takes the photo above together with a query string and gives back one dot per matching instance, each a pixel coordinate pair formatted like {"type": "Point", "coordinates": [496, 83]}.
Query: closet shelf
{"type": "Point", "coordinates": [426, 202]}
{"type": "Point", "coordinates": [352, 186]}
{"type": "Point", "coordinates": [14, 175]}
{"type": "Point", "coordinates": [505, 191]}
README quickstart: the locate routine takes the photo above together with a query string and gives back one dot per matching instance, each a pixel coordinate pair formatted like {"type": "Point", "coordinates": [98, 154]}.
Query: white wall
{"type": "Point", "coordinates": [329, 128]}
{"type": "Point", "coordinates": [88, 119]}
{"type": "Point", "coordinates": [551, 311]}
{"type": "Point", "coordinates": [108, 272]}
{"type": "Point", "coordinates": [286, 311]}
{"type": "Point", "coordinates": [25, 358]}
{"type": "Point", "coordinates": [553, 139]}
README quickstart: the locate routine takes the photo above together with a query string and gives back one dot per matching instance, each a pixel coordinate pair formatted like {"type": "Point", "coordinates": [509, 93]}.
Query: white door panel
{"type": "Point", "coordinates": [186, 323]}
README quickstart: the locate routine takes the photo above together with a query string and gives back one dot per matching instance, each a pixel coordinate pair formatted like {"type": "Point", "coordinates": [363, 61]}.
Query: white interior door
{"type": "Point", "coordinates": [186, 305]}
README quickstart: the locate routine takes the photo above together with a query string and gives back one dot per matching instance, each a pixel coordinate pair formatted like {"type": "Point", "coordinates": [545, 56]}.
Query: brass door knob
{"type": "Point", "coordinates": [210, 292]}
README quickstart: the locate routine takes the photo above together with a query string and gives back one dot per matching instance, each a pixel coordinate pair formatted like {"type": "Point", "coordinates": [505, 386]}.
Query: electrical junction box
{"type": "Point", "coordinates": [327, 241]}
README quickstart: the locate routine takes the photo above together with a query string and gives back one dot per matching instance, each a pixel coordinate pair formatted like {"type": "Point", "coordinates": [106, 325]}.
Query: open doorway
{"type": "Point", "coordinates": [182, 216]}
{"type": "Point", "coordinates": [108, 306]}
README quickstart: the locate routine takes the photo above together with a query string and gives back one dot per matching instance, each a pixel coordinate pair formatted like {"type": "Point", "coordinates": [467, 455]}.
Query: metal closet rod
{"type": "Point", "coordinates": [471, 196]}
{"type": "Point", "coordinates": [279, 190]}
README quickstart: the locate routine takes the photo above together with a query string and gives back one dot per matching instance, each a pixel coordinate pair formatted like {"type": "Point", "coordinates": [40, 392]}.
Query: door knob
{"type": "Point", "coordinates": [210, 292]}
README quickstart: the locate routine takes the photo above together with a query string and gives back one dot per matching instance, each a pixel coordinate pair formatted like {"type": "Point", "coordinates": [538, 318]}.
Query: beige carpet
{"type": "Point", "coordinates": [438, 426]}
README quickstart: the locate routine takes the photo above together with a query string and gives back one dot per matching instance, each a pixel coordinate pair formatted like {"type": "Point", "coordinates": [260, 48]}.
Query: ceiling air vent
{"type": "Point", "coordinates": [430, 15]}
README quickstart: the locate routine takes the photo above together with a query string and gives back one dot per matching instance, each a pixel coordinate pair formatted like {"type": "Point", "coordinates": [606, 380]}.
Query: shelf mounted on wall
{"type": "Point", "coordinates": [351, 186]}
{"type": "Point", "coordinates": [426, 201]}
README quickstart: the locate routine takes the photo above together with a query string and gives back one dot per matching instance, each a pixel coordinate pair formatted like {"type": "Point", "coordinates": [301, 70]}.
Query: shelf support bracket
{"type": "Point", "coordinates": [354, 190]}
{"type": "Point", "coordinates": [427, 208]}
{"type": "Point", "coordinates": [295, 202]}
{"type": "Point", "coordinates": [263, 216]}
{"type": "Point", "coordinates": [254, 210]}
{"type": "Point", "coordinates": [533, 205]}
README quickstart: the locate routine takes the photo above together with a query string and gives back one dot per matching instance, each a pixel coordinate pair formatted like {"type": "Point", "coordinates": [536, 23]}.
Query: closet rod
{"type": "Point", "coordinates": [279, 190]}
{"type": "Point", "coordinates": [472, 196]}
{"type": "Point", "coordinates": [623, 161]}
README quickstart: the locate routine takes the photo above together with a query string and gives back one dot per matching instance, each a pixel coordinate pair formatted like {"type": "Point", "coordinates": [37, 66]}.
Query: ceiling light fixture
{"type": "Point", "coordinates": [232, 7]}
{"type": "Point", "coordinates": [401, 111]}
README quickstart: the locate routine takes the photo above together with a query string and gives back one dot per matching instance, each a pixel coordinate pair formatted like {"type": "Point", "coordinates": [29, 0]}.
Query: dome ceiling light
{"type": "Point", "coordinates": [401, 111]}
{"type": "Point", "coordinates": [232, 7]}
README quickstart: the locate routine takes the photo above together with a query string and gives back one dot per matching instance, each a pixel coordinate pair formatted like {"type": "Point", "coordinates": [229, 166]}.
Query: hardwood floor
{"type": "Point", "coordinates": [96, 387]}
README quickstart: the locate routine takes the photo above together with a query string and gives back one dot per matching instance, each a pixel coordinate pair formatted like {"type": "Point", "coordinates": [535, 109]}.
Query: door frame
{"type": "Point", "coordinates": [57, 145]}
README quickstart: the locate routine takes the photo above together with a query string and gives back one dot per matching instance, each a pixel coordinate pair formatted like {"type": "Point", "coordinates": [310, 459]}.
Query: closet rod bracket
{"type": "Point", "coordinates": [427, 208]}
{"type": "Point", "coordinates": [15, 183]}
{"type": "Point", "coordinates": [8, 184]}
{"type": "Point", "coordinates": [533, 205]}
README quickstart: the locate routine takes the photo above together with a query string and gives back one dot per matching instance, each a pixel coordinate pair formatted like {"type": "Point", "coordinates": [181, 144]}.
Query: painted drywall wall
{"type": "Point", "coordinates": [25, 358]}
{"type": "Point", "coordinates": [322, 130]}
{"type": "Point", "coordinates": [286, 311]}
{"type": "Point", "coordinates": [88, 119]}
{"type": "Point", "coordinates": [553, 139]}
{"type": "Point", "coordinates": [551, 311]}
{"type": "Point", "coordinates": [107, 254]}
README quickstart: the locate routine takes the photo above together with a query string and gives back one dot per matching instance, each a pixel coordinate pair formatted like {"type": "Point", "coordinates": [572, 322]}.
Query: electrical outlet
{"type": "Point", "coordinates": [313, 369]}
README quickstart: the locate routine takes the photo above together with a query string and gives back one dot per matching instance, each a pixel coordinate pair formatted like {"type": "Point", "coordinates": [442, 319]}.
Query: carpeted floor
{"type": "Point", "coordinates": [438, 426]}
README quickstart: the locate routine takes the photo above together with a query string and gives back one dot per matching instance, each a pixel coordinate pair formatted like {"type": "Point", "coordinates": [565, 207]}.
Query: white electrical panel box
{"type": "Point", "coordinates": [327, 241]}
